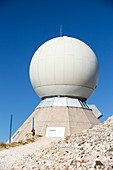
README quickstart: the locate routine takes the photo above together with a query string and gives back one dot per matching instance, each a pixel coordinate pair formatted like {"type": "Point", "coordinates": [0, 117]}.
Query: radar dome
{"type": "Point", "coordinates": [64, 66]}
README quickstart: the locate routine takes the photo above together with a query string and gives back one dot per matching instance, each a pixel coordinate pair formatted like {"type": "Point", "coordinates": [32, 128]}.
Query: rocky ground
{"type": "Point", "coordinates": [90, 150]}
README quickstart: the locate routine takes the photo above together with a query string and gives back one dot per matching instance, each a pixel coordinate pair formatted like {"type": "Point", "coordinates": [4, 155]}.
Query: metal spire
{"type": "Point", "coordinates": [60, 30]}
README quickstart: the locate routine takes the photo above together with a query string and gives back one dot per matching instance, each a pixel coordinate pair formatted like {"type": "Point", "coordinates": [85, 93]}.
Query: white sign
{"type": "Point", "coordinates": [55, 131]}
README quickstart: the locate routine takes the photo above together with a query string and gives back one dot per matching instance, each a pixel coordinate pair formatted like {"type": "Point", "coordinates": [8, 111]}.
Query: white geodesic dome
{"type": "Point", "coordinates": [64, 66]}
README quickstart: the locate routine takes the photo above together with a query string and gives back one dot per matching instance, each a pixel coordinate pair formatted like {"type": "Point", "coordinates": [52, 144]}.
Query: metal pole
{"type": "Point", "coordinates": [33, 129]}
{"type": "Point", "coordinates": [61, 30]}
{"type": "Point", "coordinates": [33, 123]}
{"type": "Point", "coordinates": [10, 133]}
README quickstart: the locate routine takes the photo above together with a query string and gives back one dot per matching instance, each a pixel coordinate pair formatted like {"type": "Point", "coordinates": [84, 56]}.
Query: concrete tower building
{"type": "Point", "coordinates": [64, 72]}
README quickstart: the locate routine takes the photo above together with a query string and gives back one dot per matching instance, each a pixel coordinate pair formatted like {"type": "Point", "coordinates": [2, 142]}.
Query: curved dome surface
{"type": "Point", "coordinates": [64, 66]}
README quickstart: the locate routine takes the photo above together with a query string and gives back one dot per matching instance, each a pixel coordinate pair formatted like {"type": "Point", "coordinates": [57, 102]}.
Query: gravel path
{"type": "Point", "coordinates": [10, 156]}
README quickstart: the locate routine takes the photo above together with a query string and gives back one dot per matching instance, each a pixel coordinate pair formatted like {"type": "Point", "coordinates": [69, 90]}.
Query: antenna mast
{"type": "Point", "coordinates": [60, 30]}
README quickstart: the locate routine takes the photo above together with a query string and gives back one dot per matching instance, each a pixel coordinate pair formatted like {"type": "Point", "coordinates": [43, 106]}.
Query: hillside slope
{"type": "Point", "coordinates": [90, 150]}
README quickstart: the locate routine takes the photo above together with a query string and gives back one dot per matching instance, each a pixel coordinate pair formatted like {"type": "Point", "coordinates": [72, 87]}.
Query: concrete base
{"type": "Point", "coordinates": [73, 119]}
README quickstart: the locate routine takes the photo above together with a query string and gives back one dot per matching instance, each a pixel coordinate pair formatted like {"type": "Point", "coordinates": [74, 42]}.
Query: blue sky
{"type": "Point", "coordinates": [25, 25]}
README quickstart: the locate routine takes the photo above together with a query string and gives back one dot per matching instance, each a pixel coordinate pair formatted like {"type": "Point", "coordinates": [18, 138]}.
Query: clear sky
{"type": "Point", "coordinates": [25, 25]}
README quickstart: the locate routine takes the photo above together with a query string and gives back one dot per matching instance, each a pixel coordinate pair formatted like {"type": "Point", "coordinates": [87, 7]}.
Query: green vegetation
{"type": "Point", "coordinates": [30, 140]}
{"type": "Point", "coordinates": [19, 143]}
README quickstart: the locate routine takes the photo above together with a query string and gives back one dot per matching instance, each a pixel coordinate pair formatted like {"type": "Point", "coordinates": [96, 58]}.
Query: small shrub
{"type": "Point", "coordinates": [39, 136]}
{"type": "Point", "coordinates": [3, 145]}
{"type": "Point", "coordinates": [30, 140]}
{"type": "Point", "coordinates": [21, 142]}
{"type": "Point", "coordinates": [14, 144]}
